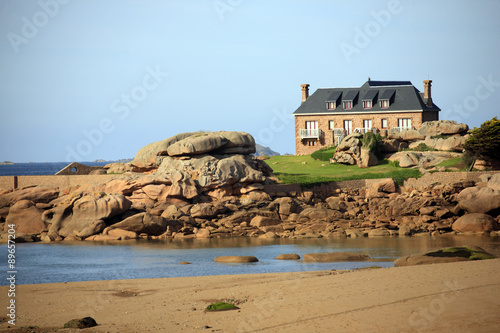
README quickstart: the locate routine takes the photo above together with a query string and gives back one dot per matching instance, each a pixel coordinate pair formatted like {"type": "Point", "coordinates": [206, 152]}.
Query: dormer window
{"type": "Point", "coordinates": [369, 99]}
{"type": "Point", "coordinates": [333, 99]}
{"type": "Point", "coordinates": [387, 98]}
{"type": "Point", "coordinates": [384, 104]}
{"type": "Point", "coordinates": [350, 99]}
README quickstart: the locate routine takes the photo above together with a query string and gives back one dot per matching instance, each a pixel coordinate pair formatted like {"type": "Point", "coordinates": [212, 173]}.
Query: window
{"type": "Point", "coordinates": [384, 104]}
{"type": "Point", "coordinates": [404, 123]}
{"type": "Point", "coordinates": [384, 123]}
{"type": "Point", "coordinates": [311, 143]}
{"type": "Point", "coordinates": [347, 105]}
{"type": "Point", "coordinates": [331, 125]}
{"type": "Point", "coordinates": [367, 123]}
{"type": "Point", "coordinates": [367, 104]}
{"type": "Point", "coordinates": [348, 126]}
{"type": "Point", "coordinates": [331, 105]}
{"type": "Point", "coordinates": [311, 125]}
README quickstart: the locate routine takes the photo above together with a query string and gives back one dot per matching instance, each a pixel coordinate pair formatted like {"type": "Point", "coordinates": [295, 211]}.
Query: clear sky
{"type": "Point", "coordinates": [99, 79]}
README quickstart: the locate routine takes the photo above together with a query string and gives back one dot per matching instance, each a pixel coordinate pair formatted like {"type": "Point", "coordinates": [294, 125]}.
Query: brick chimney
{"type": "Point", "coordinates": [427, 93]}
{"type": "Point", "coordinates": [305, 92]}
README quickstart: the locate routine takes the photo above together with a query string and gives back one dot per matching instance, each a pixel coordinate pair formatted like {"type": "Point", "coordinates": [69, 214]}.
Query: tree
{"type": "Point", "coordinates": [483, 143]}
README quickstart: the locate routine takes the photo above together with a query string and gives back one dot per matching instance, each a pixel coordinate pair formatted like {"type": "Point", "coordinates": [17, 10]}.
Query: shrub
{"type": "Point", "coordinates": [372, 141]}
{"type": "Point", "coordinates": [324, 154]}
{"type": "Point", "coordinates": [422, 147]}
{"type": "Point", "coordinates": [484, 143]}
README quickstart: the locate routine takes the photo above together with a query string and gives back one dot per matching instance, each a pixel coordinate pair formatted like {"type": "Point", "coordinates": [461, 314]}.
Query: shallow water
{"type": "Point", "coordinates": [87, 261]}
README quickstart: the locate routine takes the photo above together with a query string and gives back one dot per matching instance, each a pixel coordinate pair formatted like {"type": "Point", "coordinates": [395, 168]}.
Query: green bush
{"type": "Point", "coordinates": [483, 143]}
{"type": "Point", "coordinates": [324, 154]}
{"type": "Point", "coordinates": [422, 147]}
{"type": "Point", "coordinates": [372, 141]}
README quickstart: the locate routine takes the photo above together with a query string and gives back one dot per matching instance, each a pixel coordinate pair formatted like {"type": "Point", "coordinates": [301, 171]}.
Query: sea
{"type": "Point", "coordinates": [39, 169]}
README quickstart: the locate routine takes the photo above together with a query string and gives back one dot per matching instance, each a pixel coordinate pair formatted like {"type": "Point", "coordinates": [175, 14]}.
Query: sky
{"type": "Point", "coordinates": [82, 80]}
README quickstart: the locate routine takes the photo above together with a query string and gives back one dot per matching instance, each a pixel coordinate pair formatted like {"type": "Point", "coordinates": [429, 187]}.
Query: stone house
{"type": "Point", "coordinates": [325, 117]}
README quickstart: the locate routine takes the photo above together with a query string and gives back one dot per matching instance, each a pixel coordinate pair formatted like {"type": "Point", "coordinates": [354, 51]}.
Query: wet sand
{"type": "Point", "coordinates": [455, 297]}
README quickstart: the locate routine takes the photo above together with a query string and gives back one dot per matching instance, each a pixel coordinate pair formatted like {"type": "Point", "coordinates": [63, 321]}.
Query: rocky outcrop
{"type": "Point", "coordinates": [442, 127]}
{"type": "Point", "coordinates": [481, 199]}
{"type": "Point", "coordinates": [26, 217]}
{"type": "Point", "coordinates": [475, 222]}
{"type": "Point", "coordinates": [453, 254]}
{"type": "Point", "coordinates": [350, 151]}
{"type": "Point", "coordinates": [77, 212]}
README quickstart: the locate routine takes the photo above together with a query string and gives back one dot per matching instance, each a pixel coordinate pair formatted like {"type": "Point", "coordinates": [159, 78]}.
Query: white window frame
{"type": "Point", "coordinates": [384, 103]}
{"type": "Point", "coordinates": [404, 123]}
{"type": "Point", "coordinates": [331, 105]}
{"type": "Point", "coordinates": [382, 123]}
{"type": "Point", "coordinates": [367, 124]}
{"type": "Point", "coordinates": [367, 104]}
{"type": "Point", "coordinates": [348, 128]}
{"type": "Point", "coordinates": [331, 125]}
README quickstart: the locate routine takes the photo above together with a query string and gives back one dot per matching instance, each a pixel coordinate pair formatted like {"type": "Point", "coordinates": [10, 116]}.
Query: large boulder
{"type": "Point", "coordinates": [408, 159]}
{"type": "Point", "coordinates": [392, 145]}
{"type": "Point", "coordinates": [209, 172]}
{"type": "Point", "coordinates": [148, 156]}
{"type": "Point", "coordinates": [237, 143]}
{"type": "Point", "coordinates": [475, 222]}
{"type": "Point", "coordinates": [453, 254]}
{"type": "Point", "coordinates": [26, 217]}
{"type": "Point", "coordinates": [145, 223]}
{"type": "Point", "coordinates": [452, 143]}
{"type": "Point", "coordinates": [367, 158]}
{"type": "Point", "coordinates": [480, 199]}
{"type": "Point", "coordinates": [37, 194]}
{"type": "Point", "coordinates": [76, 212]}
{"type": "Point", "coordinates": [335, 256]}
{"type": "Point", "coordinates": [442, 127]}
{"type": "Point", "coordinates": [236, 259]}
{"type": "Point", "coordinates": [408, 134]}
{"type": "Point", "coordinates": [197, 144]}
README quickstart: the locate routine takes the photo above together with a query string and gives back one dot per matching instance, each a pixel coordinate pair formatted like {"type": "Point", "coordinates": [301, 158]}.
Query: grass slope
{"type": "Point", "coordinates": [293, 170]}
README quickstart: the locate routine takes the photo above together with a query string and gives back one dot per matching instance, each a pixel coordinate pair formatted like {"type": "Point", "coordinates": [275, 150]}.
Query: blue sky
{"type": "Point", "coordinates": [99, 79]}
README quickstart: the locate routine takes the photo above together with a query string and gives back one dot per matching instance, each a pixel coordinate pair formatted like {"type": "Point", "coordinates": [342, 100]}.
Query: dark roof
{"type": "Point", "coordinates": [370, 95]}
{"type": "Point", "coordinates": [403, 96]}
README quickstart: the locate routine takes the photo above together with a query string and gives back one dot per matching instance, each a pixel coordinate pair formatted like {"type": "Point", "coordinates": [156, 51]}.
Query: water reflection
{"type": "Point", "coordinates": [82, 261]}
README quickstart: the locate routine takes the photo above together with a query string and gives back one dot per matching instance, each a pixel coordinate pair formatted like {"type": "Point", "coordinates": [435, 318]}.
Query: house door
{"type": "Point", "coordinates": [348, 126]}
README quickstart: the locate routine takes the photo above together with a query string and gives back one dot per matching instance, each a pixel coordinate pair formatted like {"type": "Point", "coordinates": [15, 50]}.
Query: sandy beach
{"type": "Point", "coordinates": [454, 297]}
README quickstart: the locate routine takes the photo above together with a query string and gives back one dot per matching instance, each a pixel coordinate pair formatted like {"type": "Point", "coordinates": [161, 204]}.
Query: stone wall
{"type": "Point", "coordinates": [306, 147]}
{"type": "Point", "coordinates": [323, 190]}
{"type": "Point", "coordinates": [58, 181]}
{"type": "Point", "coordinates": [443, 178]}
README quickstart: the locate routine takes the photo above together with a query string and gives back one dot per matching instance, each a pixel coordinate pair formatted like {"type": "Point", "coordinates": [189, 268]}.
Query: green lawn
{"type": "Point", "coordinates": [292, 170]}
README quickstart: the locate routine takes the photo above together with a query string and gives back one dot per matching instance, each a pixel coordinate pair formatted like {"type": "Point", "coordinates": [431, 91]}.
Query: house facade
{"type": "Point", "coordinates": [329, 114]}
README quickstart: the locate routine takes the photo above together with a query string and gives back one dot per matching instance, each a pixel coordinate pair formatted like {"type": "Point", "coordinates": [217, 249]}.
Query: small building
{"type": "Point", "coordinates": [329, 114]}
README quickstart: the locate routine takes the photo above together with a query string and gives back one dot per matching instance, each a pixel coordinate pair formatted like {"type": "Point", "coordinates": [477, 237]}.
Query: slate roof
{"type": "Point", "coordinates": [403, 96]}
